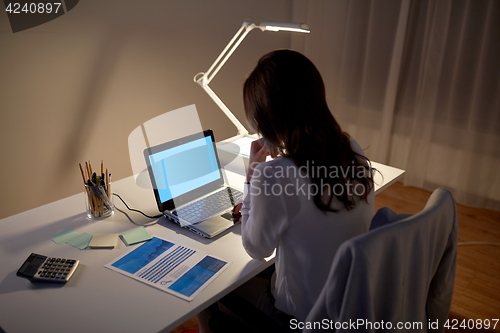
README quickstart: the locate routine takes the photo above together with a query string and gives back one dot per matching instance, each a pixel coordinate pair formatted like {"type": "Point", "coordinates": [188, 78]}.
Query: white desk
{"type": "Point", "coordinates": [97, 299]}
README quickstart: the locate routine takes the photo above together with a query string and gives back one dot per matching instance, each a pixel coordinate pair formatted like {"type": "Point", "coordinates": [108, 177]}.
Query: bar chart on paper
{"type": "Point", "coordinates": [173, 268]}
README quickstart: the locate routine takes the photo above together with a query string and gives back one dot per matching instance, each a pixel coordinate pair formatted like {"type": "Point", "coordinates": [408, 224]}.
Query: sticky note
{"type": "Point", "coordinates": [81, 241]}
{"type": "Point", "coordinates": [104, 241]}
{"type": "Point", "coordinates": [136, 236]}
{"type": "Point", "coordinates": [64, 236]}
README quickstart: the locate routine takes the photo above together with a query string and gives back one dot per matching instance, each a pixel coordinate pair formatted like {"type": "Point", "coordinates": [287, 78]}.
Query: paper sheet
{"type": "Point", "coordinates": [174, 268]}
{"type": "Point", "coordinates": [81, 241]}
{"type": "Point", "coordinates": [64, 236]}
{"type": "Point", "coordinates": [104, 241]}
{"type": "Point", "coordinates": [135, 236]}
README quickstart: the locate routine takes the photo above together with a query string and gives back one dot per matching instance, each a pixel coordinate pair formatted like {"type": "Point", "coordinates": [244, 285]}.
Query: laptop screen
{"type": "Point", "coordinates": [184, 167]}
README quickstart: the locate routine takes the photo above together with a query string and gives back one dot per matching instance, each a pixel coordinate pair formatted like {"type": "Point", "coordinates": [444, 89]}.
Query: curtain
{"type": "Point", "coordinates": [417, 84]}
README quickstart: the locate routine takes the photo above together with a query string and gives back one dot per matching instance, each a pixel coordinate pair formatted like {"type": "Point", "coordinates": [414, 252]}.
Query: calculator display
{"type": "Point", "coordinates": [33, 267]}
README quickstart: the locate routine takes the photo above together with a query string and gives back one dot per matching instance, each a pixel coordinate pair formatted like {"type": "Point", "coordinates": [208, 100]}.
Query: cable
{"type": "Point", "coordinates": [138, 211]}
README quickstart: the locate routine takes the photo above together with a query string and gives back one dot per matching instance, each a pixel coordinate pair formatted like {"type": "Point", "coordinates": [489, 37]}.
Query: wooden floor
{"type": "Point", "coordinates": [477, 285]}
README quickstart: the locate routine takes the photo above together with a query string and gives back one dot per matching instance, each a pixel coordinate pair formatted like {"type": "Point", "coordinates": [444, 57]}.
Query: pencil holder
{"type": "Point", "coordinates": [99, 201]}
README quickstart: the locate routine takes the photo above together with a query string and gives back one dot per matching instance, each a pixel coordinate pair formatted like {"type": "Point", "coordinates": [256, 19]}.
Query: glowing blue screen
{"type": "Point", "coordinates": [184, 168]}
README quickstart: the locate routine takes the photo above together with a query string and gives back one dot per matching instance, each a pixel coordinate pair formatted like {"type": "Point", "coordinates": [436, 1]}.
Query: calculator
{"type": "Point", "coordinates": [47, 269]}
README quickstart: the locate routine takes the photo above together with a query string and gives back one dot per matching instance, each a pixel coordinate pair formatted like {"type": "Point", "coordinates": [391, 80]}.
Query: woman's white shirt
{"type": "Point", "coordinates": [278, 212]}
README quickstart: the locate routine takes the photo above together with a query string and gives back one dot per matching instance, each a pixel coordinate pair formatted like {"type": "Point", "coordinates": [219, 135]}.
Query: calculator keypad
{"type": "Point", "coordinates": [56, 269]}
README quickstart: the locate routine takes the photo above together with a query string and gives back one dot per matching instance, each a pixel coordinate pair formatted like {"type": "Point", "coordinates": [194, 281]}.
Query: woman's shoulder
{"type": "Point", "coordinates": [356, 147]}
{"type": "Point", "coordinates": [277, 163]}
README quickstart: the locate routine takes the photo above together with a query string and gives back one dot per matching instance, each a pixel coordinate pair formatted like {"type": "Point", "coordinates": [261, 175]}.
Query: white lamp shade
{"type": "Point", "coordinates": [284, 26]}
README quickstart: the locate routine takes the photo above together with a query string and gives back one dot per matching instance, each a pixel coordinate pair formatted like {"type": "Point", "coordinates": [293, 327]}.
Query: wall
{"type": "Point", "coordinates": [74, 88]}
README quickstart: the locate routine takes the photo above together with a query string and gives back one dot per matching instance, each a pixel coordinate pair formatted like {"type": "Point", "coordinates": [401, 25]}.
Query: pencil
{"type": "Point", "coordinates": [88, 170]}
{"type": "Point", "coordinates": [91, 197]}
{"type": "Point", "coordinates": [102, 166]}
{"type": "Point", "coordinates": [83, 176]}
{"type": "Point", "coordinates": [90, 166]}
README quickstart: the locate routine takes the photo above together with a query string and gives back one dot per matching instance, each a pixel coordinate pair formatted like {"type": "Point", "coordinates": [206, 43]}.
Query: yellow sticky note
{"type": "Point", "coordinates": [104, 241]}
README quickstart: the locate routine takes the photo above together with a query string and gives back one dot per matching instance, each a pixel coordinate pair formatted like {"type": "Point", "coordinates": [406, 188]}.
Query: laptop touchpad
{"type": "Point", "coordinates": [213, 225]}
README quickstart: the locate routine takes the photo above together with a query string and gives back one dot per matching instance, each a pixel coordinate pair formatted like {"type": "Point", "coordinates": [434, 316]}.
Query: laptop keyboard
{"type": "Point", "coordinates": [206, 207]}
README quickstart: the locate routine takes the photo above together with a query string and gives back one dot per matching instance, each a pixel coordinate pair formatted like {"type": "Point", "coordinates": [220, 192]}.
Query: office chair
{"type": "Point", "coordinates": [401, 271]}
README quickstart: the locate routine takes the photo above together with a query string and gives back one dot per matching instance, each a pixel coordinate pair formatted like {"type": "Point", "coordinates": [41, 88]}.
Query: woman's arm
{"type": "Point", "coordinates": [263, 213]}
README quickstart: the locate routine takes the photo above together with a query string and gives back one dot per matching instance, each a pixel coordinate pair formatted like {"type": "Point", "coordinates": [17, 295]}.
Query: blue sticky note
{"type": "Point", "coordinates": [136, 236]}
{"type": "Point", "coordinates": [64, 236]}
{"type": "Point", "coordinates": [81, 241]}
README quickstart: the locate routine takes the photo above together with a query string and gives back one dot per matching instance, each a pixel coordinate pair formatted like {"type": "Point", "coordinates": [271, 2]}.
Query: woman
{"type": "Point", "coordinates": [314, 195]}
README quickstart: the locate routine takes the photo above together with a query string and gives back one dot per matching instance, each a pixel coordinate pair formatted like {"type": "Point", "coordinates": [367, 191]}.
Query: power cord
{"type": "Point", "coordinates": [160, 215]}
{"type": "Point", "coordinates": [138, 211]}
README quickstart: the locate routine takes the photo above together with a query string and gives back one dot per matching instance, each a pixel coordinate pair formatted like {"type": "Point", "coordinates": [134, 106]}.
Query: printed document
{"type": "Point", "coordinates": [174, 268]}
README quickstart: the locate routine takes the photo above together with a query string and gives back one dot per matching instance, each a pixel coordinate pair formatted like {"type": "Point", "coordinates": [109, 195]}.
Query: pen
{"type": "Point", "coordinates": [101, 195]}
{"type": "Point", "coordinates": [107, 183]}
{"type": "Point", "coordinates": [92, 200]}
{"type": "Point", "coordinates": [85, 183]}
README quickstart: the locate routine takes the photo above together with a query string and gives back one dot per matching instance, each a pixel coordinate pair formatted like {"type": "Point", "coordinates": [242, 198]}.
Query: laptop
{"type": "Point", "coordinates": [189, 186]}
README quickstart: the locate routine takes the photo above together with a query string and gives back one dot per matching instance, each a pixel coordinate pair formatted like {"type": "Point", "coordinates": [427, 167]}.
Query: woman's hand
{"type": "Point", "coordinates": [237, 211]}
{"type": "Point", "coordinates": [258, 154]}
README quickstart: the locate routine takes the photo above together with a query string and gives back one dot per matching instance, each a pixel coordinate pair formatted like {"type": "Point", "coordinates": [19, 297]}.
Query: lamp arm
{"type": "Point", "coordinates": [207, 77]}
{"type": "Point", "coordinates": [242, 131]}
{"type": "Point", "coordinates": [228, 51]}
{"type": "Point", "coordinates": [203, 79]}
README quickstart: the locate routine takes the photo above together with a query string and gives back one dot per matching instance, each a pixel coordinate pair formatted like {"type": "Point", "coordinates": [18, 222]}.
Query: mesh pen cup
{"type": "Point", "coordinates": [99, 201]}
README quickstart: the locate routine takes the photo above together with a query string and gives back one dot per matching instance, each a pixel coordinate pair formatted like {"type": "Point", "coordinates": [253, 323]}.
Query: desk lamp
{"type": "Point", "coordinates": [204, 78]}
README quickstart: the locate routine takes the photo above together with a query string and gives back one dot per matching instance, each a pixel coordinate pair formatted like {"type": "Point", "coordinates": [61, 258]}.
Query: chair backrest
{"type": "Point", "coordinates": [401, 273]}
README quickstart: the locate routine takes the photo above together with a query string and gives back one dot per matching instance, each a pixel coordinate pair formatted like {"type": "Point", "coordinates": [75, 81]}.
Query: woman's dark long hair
{"type": "Point", "coordinates": [285, 102]}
